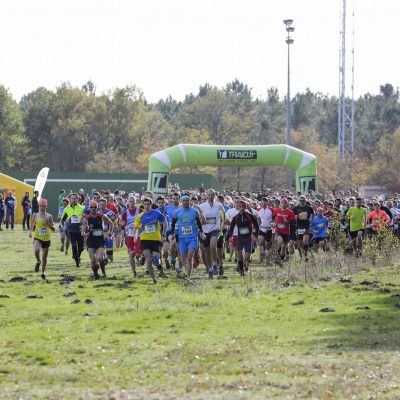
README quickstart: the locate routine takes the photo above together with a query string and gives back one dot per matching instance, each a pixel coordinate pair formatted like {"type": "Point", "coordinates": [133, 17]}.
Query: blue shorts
{"type": "Point", "coordinates": [186, 243]}
{"type": "Point", "coordinates": [108, 243]}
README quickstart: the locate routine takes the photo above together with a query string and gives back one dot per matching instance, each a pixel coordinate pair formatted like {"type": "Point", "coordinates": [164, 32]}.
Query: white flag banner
{"type": "Point", "coordinates": [41, 181]}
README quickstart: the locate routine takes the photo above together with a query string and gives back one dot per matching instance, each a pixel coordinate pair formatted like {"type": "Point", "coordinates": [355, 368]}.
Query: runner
{"type": "Point", "coordinates": [319, 225]}
{"type": "Point", "coordinates": [283, 217]}
{"type": "Point", "coordinates": [212, 212]}
{"type": "Point", "coordinates": [189, 226]}
{"type": "Point", "coordinates": [357, 217]}
{"type": "Point", "coordinates": [108, 232]}
{"type": "Point", "coordinates": [42, 225]}
{"type": "Point", "coordinates": [231, 213]}
{"type": "Point", "coordinates": [247, 226]}
{"type": "Point", "coordinates": [92, 229]}
{"type": "Point", "coordinates": [128, 218]}
{"type": "Point", "coordinates": [152, 223]}
{"type": "Point", "coordinates": [73, 214]}
{"type": "Point", "coordinates": [304, 215]}
{"type": "Point", "coordinates": [173, 240]}
{"type": "Point", "coordinates": [266, 214]}
{"type": "Point", "coordinates": [63, 227]}
{"type": "Point", "coordinates": [165, 245]}
{"type": "Point", "coordinates": [378, 219]}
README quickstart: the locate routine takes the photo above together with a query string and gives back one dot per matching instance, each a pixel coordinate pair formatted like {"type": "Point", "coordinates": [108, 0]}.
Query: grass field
{"type": "Point", "coordinates": [252, 338]}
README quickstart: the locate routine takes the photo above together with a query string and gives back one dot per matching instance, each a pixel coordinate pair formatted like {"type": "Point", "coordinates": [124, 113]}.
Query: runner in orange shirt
{"type": "Point", "coordinates": [378, 218]}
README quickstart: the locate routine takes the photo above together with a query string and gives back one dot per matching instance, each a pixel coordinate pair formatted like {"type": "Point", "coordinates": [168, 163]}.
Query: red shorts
{"type": "Point", "coordinates": [234, 241]}
{"type": "Point", "coordinates": [133, 245]}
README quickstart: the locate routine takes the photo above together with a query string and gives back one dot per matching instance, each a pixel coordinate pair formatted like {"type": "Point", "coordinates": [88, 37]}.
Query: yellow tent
{"type": "Point", "coordinates": [18, 190]}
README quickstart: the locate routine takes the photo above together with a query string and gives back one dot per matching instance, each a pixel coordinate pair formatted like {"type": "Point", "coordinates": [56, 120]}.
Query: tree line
{"type": "Point", "coordinates": [76, 129]}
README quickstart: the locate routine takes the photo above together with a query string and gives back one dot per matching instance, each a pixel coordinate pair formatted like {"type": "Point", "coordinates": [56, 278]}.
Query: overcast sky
{"type": "Point", "coordinates": [171, 47]}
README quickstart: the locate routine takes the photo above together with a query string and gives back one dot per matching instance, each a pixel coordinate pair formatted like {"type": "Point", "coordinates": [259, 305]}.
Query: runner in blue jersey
{"type": "Point", "coordinates": [173, 237]}
{"type": "Point", "coordinates": [189, 226]}
{"type": "Point", "coordinates": [319, 225]}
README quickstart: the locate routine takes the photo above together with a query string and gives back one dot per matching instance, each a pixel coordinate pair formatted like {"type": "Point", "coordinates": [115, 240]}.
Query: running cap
{"type": "Point", "coordinates": [43, 202]}
{"type": "Point", "coordinates": [185, 197]}
{"type": "Point", "coordinates": [381, 198]}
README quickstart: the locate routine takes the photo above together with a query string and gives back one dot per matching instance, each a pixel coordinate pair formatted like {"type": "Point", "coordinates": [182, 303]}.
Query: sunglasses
{"type": "Point", "coordinates": [93, 208]}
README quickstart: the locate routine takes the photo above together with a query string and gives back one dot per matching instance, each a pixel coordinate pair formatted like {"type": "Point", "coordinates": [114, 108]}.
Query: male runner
{"type": "Point", "coordinates": [42, 225]}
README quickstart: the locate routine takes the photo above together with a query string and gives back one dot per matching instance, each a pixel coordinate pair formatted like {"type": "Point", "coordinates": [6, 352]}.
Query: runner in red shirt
{"type": "Point", "coordinates": [283, 216]}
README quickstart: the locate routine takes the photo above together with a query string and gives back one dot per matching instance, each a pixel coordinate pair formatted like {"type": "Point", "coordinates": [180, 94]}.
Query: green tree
{"type": "Point", "coordinates": [13, 143]}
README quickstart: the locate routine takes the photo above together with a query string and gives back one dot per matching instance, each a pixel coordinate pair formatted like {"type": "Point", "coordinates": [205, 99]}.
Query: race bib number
{"type": "Point", "coordinates": [43, 231]}
{"type": "Point", "coordinates": [330, 224]}
{"type": "Point", "coordinates": [244, 231]}
{"type": "Point", "coordinates": [211, 220]}
{"type": "Point", "coordinates": [321, 225]}
{"type": "Point", "coordinates": [187, 230]}
{"type": "Point", "coordinates": [281, 226]}
{"type": "Point", "coordinates": [75, 220]}
{"type": "Point", "coordinates": [303, 216]}
{"type": "Point", "coordinates": [264, 229]}
{"type": "Point", "coordinates": [150, 228]}
{"type": "Point", "coordinates": [129, 232]}
{"type": "Point", "coordinates": [97, 232]}
{"type": "Point", "coordinates": [300, 231]}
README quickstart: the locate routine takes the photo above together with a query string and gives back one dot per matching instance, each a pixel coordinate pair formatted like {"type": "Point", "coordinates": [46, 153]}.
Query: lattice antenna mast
{"type": "Point", "coordinates": [346, 109]}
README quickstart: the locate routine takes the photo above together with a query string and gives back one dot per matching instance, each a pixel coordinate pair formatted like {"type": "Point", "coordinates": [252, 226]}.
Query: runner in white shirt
{"type": "Point", "coordinates": [214, 214]}
{"type": "Point", "coordinates": [266, 214]}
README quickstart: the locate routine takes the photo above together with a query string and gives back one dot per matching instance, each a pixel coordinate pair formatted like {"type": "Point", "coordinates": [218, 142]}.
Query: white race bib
{"type": "Point", "coordinates": [330, 224]}
{"type": "Point", "coordinates": [300, 231]}
{"type": "Point", "coordinates": [75, 220]}
{"type": "Point", "coordinates": [320, 225]}
{"type": "Point", "coordinates": [264, 229]}
{"type": "Point", "coordinates": [129, 232]}
{"type": "Point", "coordinates": [150, 228]}
{"type": "Point", "coordinates": [281, 226]}
{"type": "Point", "coordinates": [211, 220]}
{"type": "Point", "coordinates": [187, 230]}
{"type": "Point", "coordinates": [244, 231]}
{"type": "Point", "coordinates": [97, 232]}
{"type": "Point", "coordinates": [43, 231]}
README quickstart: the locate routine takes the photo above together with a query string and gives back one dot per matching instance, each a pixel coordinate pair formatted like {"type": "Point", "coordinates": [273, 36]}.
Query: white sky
{"type": "Point", "coordinates": [174, 46]}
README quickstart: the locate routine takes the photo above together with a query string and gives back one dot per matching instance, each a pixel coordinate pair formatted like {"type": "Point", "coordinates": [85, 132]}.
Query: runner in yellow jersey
{"type": "Point", "coordinates": [42, 226]}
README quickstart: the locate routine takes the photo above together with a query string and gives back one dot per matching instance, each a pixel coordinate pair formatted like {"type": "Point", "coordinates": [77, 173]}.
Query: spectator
{"type": "Point", "coordinates": [27, 209]}
{"type": "Point", "coordinates": [35, 202]}
{"type": "Point", "coordinates": [10, 203]}
{"type": "Point", "coordinates": [1, 210]}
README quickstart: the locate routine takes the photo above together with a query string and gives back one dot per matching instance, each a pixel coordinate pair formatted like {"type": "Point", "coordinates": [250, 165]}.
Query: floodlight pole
{"type": "Point", "coordinates": [289, 29]}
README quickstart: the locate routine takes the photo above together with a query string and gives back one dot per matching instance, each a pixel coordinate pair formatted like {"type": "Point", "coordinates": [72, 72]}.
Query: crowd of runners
{"type": "Point", "coordinates": [184, 229]}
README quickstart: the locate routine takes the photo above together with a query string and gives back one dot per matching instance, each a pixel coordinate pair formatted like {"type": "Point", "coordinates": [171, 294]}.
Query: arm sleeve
{"type": "Point", "coordinates": [173, 223]}
{"type": "Point", "coordinates": [199, 224]}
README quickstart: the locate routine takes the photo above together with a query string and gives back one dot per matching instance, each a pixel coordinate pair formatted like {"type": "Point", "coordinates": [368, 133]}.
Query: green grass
{"type": "Point", "coordinates": [237, 338]}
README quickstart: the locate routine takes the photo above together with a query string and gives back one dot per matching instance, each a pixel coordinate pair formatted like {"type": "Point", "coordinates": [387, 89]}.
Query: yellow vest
{"type": "Point", "coordinates": [42, 230]}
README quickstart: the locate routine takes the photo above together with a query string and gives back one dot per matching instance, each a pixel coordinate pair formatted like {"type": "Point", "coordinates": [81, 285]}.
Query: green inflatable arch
{"type": "Point", "coordinates": [161, 162]}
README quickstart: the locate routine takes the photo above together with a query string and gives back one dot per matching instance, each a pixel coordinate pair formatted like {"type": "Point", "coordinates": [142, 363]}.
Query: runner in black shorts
{"type": "Point", "coordinates": [304, 215]}
{"type": "Point", "coordinates": [93, 231]}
